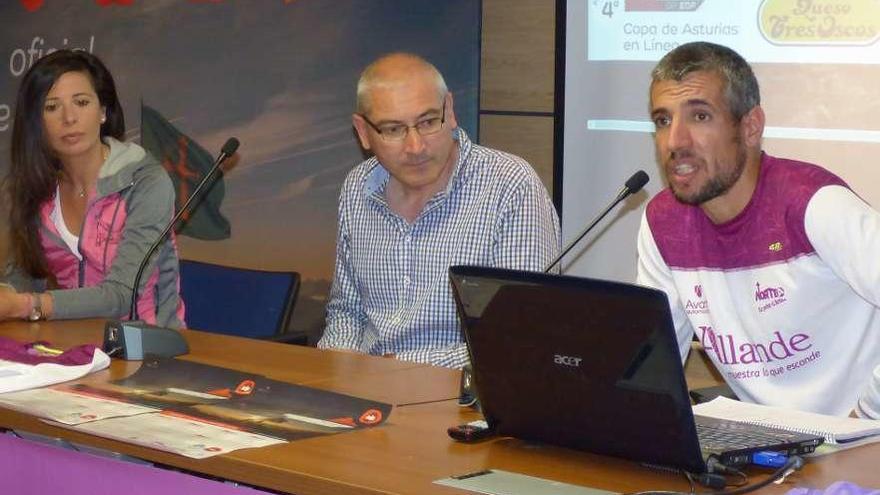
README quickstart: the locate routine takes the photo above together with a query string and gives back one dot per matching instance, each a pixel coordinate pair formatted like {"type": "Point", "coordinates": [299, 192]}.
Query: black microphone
{"type": "Point", "coordinates": [228, 150]}
{"type": "Point", "coordinates": [130, 337]}
{"type": "Point", "coordinates": [632, 185]}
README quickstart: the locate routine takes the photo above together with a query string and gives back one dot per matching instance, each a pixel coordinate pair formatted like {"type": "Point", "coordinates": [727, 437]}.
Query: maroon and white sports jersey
{"type": "Point", "coordinates": [784, 297]}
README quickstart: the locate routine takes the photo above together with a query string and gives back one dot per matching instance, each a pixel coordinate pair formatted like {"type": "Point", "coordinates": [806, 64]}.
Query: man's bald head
{"type": "Point", "coordinates": [395, 69]}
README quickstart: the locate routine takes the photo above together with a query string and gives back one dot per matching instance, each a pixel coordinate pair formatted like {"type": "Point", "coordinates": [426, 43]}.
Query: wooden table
{"type": "Point", "coordinates": [403, 456]}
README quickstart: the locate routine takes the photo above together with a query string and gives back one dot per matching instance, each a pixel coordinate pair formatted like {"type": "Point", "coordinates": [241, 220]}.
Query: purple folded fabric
{"type": "Point", "coordinates": [12, 350]}
{"type": "Point", "coordinates": [836, 488]}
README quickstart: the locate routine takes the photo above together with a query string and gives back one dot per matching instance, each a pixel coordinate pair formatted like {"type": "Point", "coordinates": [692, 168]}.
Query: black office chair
{"type": "Point", "coordinates": [239, 301]}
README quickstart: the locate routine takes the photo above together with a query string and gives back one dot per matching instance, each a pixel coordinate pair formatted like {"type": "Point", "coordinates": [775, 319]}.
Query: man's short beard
{"type": "Point", "coordinates": [720, 184]}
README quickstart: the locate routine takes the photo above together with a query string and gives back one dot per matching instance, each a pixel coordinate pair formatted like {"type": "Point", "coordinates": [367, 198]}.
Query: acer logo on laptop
{"type": "Point", "coordinates": [573, 361]}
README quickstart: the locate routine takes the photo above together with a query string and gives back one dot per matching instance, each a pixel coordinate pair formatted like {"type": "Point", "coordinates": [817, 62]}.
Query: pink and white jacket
{"type": "Point", "coordinates": [133, 203]}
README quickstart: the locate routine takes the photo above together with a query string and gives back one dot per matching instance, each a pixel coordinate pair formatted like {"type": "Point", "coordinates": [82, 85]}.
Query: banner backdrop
{"type": "Point", "coordinates": [279, 75]}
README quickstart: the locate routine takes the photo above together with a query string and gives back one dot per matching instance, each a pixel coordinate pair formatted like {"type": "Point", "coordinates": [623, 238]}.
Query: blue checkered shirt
{"type": "Point", "coordinates": [391, 291]}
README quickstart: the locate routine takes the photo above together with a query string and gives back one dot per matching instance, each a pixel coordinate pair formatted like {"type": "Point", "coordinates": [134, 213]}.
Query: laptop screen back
{"type": "Point", "coordinates": [583, 363]}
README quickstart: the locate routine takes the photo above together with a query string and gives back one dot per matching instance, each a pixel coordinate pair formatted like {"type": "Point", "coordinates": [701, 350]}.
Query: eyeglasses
{"type": "Point", "coordinates": [398, 132]}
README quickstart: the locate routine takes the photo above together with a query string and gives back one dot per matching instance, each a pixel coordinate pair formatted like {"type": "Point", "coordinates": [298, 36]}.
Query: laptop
{"type": "Point", "coordinates": [592, 365]}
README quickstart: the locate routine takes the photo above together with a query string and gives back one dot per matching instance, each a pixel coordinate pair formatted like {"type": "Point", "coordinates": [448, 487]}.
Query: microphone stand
{"type": "Point", "coordinates": [133, 339]}
{"type": "Point", "coordinates": [228, 149]}
{"type": "Point", "coordinates": [633, 185]}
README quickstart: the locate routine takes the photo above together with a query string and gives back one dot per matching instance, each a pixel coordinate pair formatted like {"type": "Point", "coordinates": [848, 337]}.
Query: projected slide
{"type": "Point", "coordinates": [817, 62]}
{"type": "Point", "coordinates": [781, 31]}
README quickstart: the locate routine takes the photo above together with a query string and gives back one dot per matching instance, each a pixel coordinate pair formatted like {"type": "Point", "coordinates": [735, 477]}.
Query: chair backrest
{"type": "Point", "coordinates": [237, 301]}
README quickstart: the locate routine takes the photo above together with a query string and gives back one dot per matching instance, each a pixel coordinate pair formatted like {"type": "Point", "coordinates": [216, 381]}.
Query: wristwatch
{"type": "Point", "coordinates": [36, 308]}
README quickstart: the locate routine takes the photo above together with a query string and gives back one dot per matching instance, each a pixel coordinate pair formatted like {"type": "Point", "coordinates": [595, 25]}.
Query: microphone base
{"type": "Point", "coordinates": [132, 340]}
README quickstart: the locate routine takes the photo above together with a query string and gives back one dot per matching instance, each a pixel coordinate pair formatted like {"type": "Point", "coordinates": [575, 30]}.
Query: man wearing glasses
{"type": "Point", "coordinates": [429, 198]}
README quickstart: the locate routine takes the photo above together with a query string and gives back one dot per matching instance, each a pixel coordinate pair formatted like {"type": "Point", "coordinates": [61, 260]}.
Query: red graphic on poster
{"type": "Point", "coordinates": [370, 417]}
{"type": "Point", "coordinates": [32, 5]}
{"type": "Point", "coordinates": [344, 421]}
{"type": "Point", "coordinates": [662, 5]}
{"type": "Point", "coordinates": [221, 392]}
{"type": "Point", "coordinates": [245, 387]}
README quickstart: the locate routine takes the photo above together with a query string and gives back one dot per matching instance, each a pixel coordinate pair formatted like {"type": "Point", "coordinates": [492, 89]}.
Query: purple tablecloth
{"type": "Point", "coordinates": [837, 488]}
{"type": "Point", "coordinates": [31, 468]}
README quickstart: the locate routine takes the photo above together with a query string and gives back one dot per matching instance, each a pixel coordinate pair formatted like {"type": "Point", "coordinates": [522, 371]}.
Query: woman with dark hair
{"type": "Point", "coordinates": [84, 205]}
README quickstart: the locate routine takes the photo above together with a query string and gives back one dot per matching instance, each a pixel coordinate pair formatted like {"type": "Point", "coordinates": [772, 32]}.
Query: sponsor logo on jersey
{"type": "Point", "coordinates": [768, 297]}
{"type": "Point", "coordinates": [699, 305]}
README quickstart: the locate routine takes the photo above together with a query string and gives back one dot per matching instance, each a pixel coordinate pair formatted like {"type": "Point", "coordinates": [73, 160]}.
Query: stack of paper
{"type": "Point", "coordinates": [839, 432]}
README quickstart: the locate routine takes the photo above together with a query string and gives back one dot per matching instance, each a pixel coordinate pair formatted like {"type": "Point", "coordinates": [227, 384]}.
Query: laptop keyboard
{"type": "Point", "coordinates": [722, 435]}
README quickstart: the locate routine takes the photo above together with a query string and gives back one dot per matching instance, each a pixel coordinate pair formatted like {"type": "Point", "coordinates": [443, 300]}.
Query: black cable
{"type": "Point", "coordinates": [690, 482]}
{"type": "Point", "coordinates": [743, 479]}
{"type": "Point", "coordinates": [424, 402]}
{"type": "Point", "coordinates": [713, 465]}
{"type": "Point", "coordinates": [712, 480]}
{"type": "Point", "coordinates": [792, 464]}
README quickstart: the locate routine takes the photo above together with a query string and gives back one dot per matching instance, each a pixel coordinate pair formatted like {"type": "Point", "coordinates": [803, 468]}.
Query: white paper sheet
{"type": "Point", "coordinates": [176, 434]}
{"type": "Point", "coordinates": [68, 407]}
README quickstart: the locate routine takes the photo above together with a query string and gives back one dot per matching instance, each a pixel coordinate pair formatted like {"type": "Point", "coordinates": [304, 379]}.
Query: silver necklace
{"type": "Point", "coordinates": [104, 153]}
